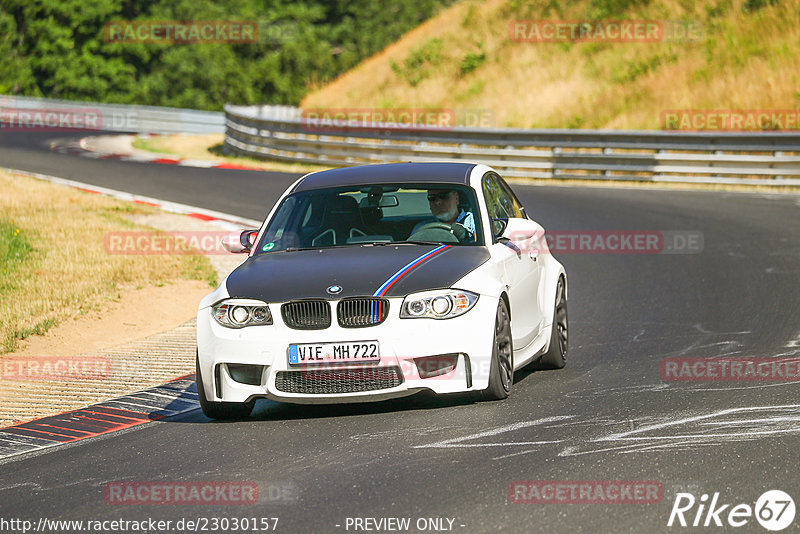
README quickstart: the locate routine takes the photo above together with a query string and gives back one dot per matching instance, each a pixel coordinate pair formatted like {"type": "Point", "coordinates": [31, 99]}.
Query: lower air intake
{"type": "Point", "coordinates": [338, 381]}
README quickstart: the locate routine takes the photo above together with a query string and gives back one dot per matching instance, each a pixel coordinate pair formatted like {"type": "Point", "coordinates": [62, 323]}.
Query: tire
{"type": "Point", "coordinates": [501, 371]}
{"type": "Point", "coordinates": [220, 410]}
{"type": "Point", "coordinates": [556, 355]}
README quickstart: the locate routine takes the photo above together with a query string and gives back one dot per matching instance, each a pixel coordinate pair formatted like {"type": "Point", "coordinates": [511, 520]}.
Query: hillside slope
{"type": "Point", "coordinates": [746, 57]}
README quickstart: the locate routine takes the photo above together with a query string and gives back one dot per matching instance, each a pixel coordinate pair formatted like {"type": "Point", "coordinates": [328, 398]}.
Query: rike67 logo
{"type": "Point", "coordinates": [774, 510]}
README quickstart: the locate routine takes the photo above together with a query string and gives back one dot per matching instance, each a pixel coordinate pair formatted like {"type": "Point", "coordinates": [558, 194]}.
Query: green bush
{"type": "Point", "coordinates": [58, 49]}
{"type": "Point", "coordinates": [418, 63]}
{"type": "Point", "coordinates": [472, 61]}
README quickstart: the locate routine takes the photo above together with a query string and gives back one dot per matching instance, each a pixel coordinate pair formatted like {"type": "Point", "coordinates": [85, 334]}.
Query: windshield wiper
{"type": "Point", "coordinates": [421, 242]}
{"type": "Point", "coordinates": [296, 249]}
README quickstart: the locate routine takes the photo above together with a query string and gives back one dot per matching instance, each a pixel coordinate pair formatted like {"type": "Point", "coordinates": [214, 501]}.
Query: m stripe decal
{"type": "Point", "coordinates": [402, 272]}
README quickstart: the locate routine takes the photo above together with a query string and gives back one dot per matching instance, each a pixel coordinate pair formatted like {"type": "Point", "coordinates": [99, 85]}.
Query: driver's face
{"type": "Point", "coordinates": [443, 202]}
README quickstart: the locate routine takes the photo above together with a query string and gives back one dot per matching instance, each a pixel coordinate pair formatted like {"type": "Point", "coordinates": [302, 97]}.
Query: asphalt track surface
{"type": "Point", "coordinates": [607, 416]}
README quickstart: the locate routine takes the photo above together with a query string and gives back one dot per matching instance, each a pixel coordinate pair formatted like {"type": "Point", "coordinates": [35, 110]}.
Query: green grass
{"type": "Point", "coordinates": [145, 143]}
{"type": "Point", "coordinates": [197, 268]}
{"type": "Point", "coordinates": [15, 250]}
{"type": "Point", "coordinates": [18, 334]}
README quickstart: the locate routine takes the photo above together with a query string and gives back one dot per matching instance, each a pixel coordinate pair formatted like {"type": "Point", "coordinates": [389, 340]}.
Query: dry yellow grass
{"type": "Point", "coordinates": [746, 60]}
{"type": "Point", "coordinates": [67, 271]}
{"type": "Point", "coordinates": [208, 147]}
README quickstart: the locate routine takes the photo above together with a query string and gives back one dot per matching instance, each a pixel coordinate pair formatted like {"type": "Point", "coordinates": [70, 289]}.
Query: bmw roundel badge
{"type": "Point", "coordinates": [334, 289]}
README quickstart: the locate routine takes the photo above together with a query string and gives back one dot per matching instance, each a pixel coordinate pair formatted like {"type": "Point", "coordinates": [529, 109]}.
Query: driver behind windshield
{"type": "Point", "coordinates": [444, 207]}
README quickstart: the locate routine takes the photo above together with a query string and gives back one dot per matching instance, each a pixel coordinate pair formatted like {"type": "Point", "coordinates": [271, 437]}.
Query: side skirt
{"type": "Point", "coordinates": [534, 350]}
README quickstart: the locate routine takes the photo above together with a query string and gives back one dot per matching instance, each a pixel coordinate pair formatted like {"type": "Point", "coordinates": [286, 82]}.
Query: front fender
{"type": "Point", "coordinates": [215, 296]}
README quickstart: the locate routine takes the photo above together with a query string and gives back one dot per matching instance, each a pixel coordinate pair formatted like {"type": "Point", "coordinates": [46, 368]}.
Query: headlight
{"type": "Point", "coordinates": [238, 313]}
{"type": "Point", "coordinates": [438, 305]}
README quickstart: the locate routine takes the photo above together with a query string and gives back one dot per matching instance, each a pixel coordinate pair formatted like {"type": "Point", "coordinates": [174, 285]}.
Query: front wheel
{"type": "Point", "coordinates": [219, 410]}
{"type": "Point", "coordinates": [556, 355]}
{"type": "Point", "coordinates": [501, 370]}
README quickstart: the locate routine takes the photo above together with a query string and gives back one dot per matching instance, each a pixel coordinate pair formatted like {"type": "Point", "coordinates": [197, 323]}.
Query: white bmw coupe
{"type": "Point", "coordinates": [380, 281]}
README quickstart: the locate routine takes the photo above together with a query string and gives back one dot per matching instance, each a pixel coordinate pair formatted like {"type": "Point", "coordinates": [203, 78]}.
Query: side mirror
{"type": "Point", "coordinates": [526, 234]}
{"type": "Point", "coordinates": [240, 241]}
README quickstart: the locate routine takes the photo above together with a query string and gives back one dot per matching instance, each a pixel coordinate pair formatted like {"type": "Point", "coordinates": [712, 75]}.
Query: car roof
{"type": "Point", "coordinates": [440, 172]}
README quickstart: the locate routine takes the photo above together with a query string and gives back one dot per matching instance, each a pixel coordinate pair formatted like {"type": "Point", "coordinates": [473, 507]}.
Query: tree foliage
{"type": "Point", "coordinates": [58, 49]}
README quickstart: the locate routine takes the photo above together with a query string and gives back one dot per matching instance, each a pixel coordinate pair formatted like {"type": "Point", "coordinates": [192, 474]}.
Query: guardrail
{"type": "Point", "coordinates": [281, 133]}
{"type": "Point", "coordinates": [111, 117]}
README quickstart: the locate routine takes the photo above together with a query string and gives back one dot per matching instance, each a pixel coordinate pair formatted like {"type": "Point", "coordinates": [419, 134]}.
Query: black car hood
{"type": "Point", "coordinates": [359, 270]}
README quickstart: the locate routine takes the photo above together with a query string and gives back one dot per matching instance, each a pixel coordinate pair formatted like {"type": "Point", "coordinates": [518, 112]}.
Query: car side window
{"type": "Point", "coordinates": [494, 198]}
{"type": "Point", "coordinates": [512, 203]}
{"type": "Point", "coordinates": [503, 196]}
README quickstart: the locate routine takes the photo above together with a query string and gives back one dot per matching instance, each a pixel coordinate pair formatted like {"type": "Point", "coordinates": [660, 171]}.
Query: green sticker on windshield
{"type": "Point", "coordinates": [268, 246]}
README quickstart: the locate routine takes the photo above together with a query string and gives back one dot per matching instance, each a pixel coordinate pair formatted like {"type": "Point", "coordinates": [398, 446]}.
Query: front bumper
{"type": "Point", "coordinates": [401, 341]}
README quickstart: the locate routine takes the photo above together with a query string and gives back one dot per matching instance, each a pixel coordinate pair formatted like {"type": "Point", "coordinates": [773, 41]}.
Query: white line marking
{"type": "Point", "coordinates": [468, 445]}
{"type": "Point", "coordinates": [759, 386]}
{"type": "Point", "coordinates": [456, 442]}
{"type": "Point", "coordinates": [699, 328]}
{"type": "Point", "coordinates": [520, 453]}
{"type": "Point", "coordinates": [794, 342]}
{"type": "Point", "coordinates": [752, 421]}
{"type": "Point", "coordinates": [622, 436]}
{"type": "Point", "coordinates": [198, 163]}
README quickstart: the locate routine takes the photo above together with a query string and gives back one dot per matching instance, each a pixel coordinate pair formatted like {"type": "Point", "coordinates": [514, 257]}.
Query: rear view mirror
{"type": "Point", "coordinates": [374, 201]}
{"type": "Point", "coordinates": [388, 201]}
{"type": "Point", "coordinates": [240, 241]}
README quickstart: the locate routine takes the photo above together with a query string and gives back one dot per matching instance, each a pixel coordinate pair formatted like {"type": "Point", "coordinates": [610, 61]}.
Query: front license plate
{"type": "Point", "coordinates": [315, 353]}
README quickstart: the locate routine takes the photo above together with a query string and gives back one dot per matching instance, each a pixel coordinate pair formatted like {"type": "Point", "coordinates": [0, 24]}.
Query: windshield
{"type": "Point", "coordinates": [374, 214]}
